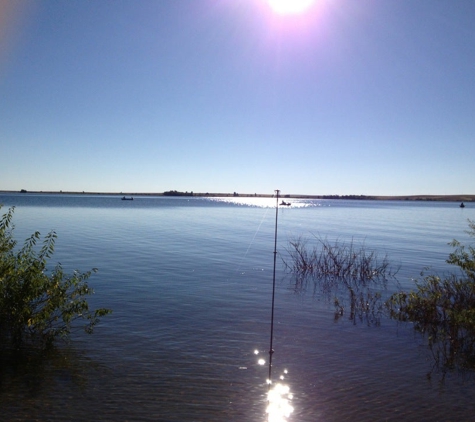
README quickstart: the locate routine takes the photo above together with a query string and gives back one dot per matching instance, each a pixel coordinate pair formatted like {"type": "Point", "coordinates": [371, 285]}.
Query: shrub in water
{"type": "Point", "coordinates": [341, 269]}
{"type": "Point", "coordinates": [35, 304]}
{"type": "Point", "coordinates": [444, 309]}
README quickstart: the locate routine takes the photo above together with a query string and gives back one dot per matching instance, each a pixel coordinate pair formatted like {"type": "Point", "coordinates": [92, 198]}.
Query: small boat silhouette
{"type": "Point", "coordinates": [462, 205]}
{"type": "Point", "coordinates": [127, 199]}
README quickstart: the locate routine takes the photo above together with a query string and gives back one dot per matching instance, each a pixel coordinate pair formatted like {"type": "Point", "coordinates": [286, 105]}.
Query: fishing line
{"type": "Point", "coordinates": [253, 238]}
{"type": "Point", "coordinates": [271, 350]}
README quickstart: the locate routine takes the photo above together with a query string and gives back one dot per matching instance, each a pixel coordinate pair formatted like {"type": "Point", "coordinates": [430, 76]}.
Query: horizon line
{"type": "Point", "coordinates": [451, 197]}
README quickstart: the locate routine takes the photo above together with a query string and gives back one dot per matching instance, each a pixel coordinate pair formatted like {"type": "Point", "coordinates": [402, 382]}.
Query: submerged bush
{"type": "Point", "coordinates": [38, 305]}
{"type": "Point", "coordinates": [443, 308]}
{"type": "Point", "coordinates": [339, 259]}
{"type": "Point", "coordinates": [352, 274]}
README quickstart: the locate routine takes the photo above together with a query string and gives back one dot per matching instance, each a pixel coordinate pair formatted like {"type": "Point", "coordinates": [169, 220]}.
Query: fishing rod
{"type": "Point", "coordinates": [277, 406]}
{"type": "Point", "coordinates": [271, 350]}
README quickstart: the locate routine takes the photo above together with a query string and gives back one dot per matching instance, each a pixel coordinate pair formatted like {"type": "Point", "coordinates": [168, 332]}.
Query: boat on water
{"type": "Point", "coordinates": [287, 204]}
{"type": "Point", "coordinates": [462, 205]}
{"type": "Point", "coordinates": [127, 199]}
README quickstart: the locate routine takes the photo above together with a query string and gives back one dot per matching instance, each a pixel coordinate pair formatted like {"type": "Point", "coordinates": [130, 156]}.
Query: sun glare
{"type": "Point", "coordinates": [279, 400]}
{"type": "Point", "coordinates": [290, 7]}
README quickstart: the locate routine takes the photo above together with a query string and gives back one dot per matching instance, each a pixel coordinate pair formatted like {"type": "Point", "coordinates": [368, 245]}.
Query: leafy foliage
{"type": "Point", "coordinates": [444, 309]}
{"type": "Point", "coordinates": [36, 304]}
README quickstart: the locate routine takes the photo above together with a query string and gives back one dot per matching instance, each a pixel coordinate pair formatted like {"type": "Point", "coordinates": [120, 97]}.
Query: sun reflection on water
{"type": "Point", "coordinates": [269, 202]}
{"type": "Point", "coordinates": [279, 397]}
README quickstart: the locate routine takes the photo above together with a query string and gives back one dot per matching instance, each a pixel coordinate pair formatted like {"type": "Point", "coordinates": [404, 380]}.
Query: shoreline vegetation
{"type": "Point", "coordinates": [448, 198]}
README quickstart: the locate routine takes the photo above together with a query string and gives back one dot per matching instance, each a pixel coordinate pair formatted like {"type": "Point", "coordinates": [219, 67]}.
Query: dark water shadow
{"type": "Point", "coordinates": [449, 351]}
{"type": "Point", "coordinates": [29, 374]}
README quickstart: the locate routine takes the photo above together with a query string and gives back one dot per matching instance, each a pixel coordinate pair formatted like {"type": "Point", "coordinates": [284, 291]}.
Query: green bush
{"type": "Point", "coordinates": [36, 304]}
{"type": "Point", "coordinates": [444, 308]}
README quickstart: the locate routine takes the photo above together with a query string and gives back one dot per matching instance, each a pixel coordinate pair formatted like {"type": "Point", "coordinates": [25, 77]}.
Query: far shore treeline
{"type": "Point", "coordinates": [452, 198]}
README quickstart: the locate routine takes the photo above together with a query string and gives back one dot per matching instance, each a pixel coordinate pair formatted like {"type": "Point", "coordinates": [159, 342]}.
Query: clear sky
{"type": "Point", "coordinates": [372, 97]}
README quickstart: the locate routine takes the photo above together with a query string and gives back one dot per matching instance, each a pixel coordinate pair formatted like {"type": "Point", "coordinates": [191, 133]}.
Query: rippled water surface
{"type": "Point", "coordinates": [189, 281]}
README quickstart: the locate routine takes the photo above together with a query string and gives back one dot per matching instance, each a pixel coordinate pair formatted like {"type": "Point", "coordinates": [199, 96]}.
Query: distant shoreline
{"type": "Point", "coordinates": [446, 198]}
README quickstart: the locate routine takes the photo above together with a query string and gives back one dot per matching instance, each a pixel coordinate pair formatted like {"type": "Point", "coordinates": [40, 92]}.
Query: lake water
{"type": "Point", "coordinates": [190, 282]}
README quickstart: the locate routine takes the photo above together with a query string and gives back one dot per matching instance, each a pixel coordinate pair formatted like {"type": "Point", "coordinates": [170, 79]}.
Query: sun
{"type": "Point", "coordinates": [290, 7]}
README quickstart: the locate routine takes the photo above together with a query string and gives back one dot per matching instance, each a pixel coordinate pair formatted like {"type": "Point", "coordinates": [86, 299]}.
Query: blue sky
{"type": "Point", "coordinates": [372, 97]}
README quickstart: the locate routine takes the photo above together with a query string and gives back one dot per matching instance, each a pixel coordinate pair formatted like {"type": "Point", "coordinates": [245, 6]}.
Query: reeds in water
{"type": "Point", "coordinates": [353, 274]}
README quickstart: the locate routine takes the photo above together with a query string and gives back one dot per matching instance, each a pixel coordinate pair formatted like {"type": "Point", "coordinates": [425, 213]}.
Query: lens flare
{"type": "Point", "coordinates": [290, 7]}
